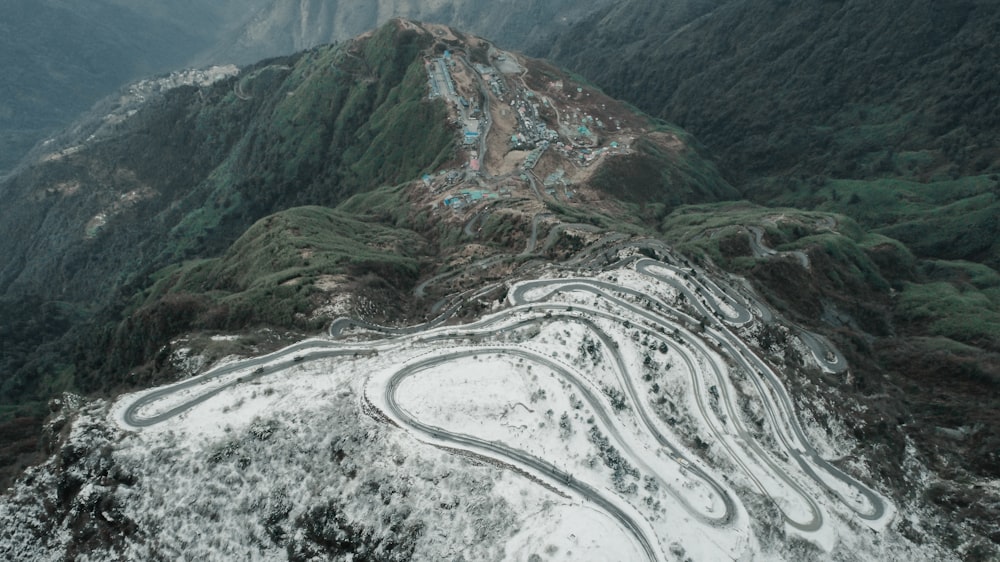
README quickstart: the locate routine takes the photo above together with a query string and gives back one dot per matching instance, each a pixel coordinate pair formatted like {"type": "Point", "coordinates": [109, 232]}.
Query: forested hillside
{"type": "Point", "coordinates": [60, 58]}
{"type": "Point", "coordinates": [183, 179]}
{"type": "Point", "coordinates": [256, 200]}
{"type": "Point", "coordinates": [849, 89]}
{"type": "Point", "coordinates": [881, 111]}
{"type": "Point", "coordinates": [284, 26]}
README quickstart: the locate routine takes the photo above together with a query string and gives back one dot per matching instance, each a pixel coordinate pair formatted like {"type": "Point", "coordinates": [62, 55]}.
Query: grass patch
{"type": "Point", "coordinates": [270, 273]}
{"type": "Point", "coordinates": [960, 313]}
{"type": "Point", "coordinates": [585, 216]}
{"type": "Point", "coordinates": [950, 218]}
{"type": "Point", "coordinates": [699, 229]}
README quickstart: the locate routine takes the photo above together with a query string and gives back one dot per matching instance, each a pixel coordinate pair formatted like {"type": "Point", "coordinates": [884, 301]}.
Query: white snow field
{"type": "Point", "coordinates": [609, 415]}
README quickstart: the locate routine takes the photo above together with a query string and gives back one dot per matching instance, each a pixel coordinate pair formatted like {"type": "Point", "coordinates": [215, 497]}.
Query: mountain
{"type": "Point", "coordinates": [134, 227]}
{"type": "Point", "coordinates": [62, 58]}
{"type": "Point", "coordinates": [860, 108]}
{"type": "Point", "coordinates": [823, 88]}
{"type": "Point", "coordinates": [191, 170]}
{"type": "Point", "coordinates": [282, 27]}
{"type": "Point", "coordinates": [879, 112]}
{"type": "Point", "coordinates": [439, 210]}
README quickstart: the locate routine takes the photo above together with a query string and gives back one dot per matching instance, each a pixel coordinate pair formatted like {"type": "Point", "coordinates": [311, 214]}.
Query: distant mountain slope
{"type": "Point", "coordinates": [284, 26]}
{"type": "Point", "coordinates": [60, 58]}
{"type": "Point", "coordinates": [114, 221]}
{"type": "Point", "coordinates": [797, 100]}
{"type": "Point", "coordinates": [837, 88]}
{"type": "Point", "coordinates": [189, 173]}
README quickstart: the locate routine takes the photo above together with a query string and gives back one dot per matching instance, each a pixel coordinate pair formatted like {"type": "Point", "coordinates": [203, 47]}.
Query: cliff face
{"type": "Point", "coordinates": [283, 26]}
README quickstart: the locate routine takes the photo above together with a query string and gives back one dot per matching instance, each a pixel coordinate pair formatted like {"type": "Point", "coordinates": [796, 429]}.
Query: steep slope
{"type": "Point", "coordinates": [285, 26]}
{"type": "Point", "coordinates": [196, 168]}
{"type": "Point", "coordinates": [810, 87]}
{"type": "Point", "coordinates": [878, 111]}
{"type": "Point", "coordinates": [432, 442]}
{"type": "Point", "coordinates": [131, 229]}
{"type": "Point", "coordinates": [796, 99]}
{"type": "Point", "coordinates": [922, 336]}
{"type": "Point", "coordinates": [183, 178]}
{"type": "Point", "coordinates": [405, 178]}
{"type": "Point", "coordinates": [62, 57]}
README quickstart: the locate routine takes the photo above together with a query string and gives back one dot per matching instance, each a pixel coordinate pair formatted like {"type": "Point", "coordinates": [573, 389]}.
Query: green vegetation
{"type": "Point", "coordinates": [322, 127]}
{"type": "Point", "coordinates": [624, 222]}
{"type": "Point", "coordinates": [33, 372]}
{"type": "Point", "coordinates": [950, 219]}
{"type": "Point", "coordinates": [960, 301]}
{"type": "Point", "coordinates": [699, 229]}
{"type": "Point", "coordinates": [969, 316]}
{"type": "Point", "coordinates": [657, 178]}
{"type": "Point", "coordinates": [61, 59]}
{"type": "Point", "coordinates": [271, 276]}
{"type": "Point", "coordinates": [296, 246]}
{"type": "Point", "coordinates": [388, 205]}
{"type": "Point", "coordinates": [263, 196]}
{"type": "Point", "coordinates": [929, 117]}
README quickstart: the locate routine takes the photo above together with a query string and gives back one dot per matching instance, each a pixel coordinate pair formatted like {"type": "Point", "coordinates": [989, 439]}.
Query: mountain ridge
{"type": "Point", "coordinates": [64, 58]}
{"type": "Point", "coordinates": [182, 176]}
{"type": "Point", "coordinates": [886, 58]}
{"type": "Point", "coordinates": [479, 213]}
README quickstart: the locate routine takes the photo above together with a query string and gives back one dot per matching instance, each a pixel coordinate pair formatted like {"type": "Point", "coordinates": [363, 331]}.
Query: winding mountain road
{"type": "Point", "coordinates": [265, 365]}
{"type": "Point", "coordinates": [512, 454]}
{"type": "Point", "coordinates": [696, 338]}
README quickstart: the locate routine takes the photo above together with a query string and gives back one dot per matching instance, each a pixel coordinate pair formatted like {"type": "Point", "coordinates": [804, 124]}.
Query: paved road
{"type": "Point", "coordinates": [760, 250]}
{"type": "Point", "coordinates": [602, 289]}
{"type": "Point", "coordinates": [471, 225]}
{"type": "Point", "coordinates": [266, 365]}
{"type": "Point", "coordinates": [533, 239]}
{"type": "Point", "coordinates": [511, 454]}
{"type": "Point", "coordinates": [669, 326]}
{"type": "Point", "coordinates": [781, 415]}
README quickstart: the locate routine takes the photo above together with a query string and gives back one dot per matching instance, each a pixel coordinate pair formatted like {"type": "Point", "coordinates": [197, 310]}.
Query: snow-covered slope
{"type": "Point", "coordinates": [597, 414]}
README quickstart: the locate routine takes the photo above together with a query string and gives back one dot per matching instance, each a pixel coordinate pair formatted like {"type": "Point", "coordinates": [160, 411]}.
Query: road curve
{"type": "Point", "coordinates": [816, 519]}
{"type": "Point", "coordinates": [701, 293]}
{"type": "Point", "coordinates": [519, 456]}
{"type": "Point", "coordinates": [781, 415]}
{"type": "Point", "coordinates": [266, 365]}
